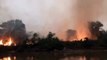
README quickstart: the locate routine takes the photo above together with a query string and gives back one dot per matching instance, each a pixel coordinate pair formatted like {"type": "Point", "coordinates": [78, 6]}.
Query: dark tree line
{"type": "Point", "coordinates": [53, 43]}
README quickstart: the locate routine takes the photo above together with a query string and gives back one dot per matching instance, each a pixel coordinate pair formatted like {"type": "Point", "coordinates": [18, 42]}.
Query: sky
{"type": "Point", "coordinates": [54, 15]}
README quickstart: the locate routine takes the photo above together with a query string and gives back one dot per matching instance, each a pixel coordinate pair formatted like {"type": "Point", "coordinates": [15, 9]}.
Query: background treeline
{"type": "Point", "coordinates": [52, 43]}
{"type": "Point", "coordinates": [17, 30]}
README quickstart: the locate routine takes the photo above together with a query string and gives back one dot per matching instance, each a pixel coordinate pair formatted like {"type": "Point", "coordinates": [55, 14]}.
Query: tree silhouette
{"type": "Point", "coordinates": [95, 28]}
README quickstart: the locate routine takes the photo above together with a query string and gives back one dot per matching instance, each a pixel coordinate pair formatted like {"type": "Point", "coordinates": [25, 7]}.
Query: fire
{"type": "Point", "coordinates": [1, 42]}
{"type": "Point", "coordinates": [81, 36]}
{"type": "Point", "coordinates": [9, 42]}
{"type": "Point", "coordinates": [83, 31]}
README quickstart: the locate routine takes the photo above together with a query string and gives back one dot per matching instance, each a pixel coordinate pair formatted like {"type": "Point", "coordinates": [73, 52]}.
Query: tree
{"type": "Point", "coordinates": [95, 28]}
{"type": "Point", "coordinates": [50, 35]}
{"type": "Point", "coordinates": [71, 34]}
{"type": "Point", "coordinates": [15, 29]}
{"type": "Point", "coordinates": [50, 43]}
{"type": "Point", "coordinates": [35, 38]}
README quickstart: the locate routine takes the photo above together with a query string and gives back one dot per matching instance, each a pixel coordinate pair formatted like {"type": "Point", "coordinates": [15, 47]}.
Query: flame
{"type": "Point", "coordinates": [83, 31]}
{"type": "Point", "coordinates": [9, 42]}
{"type": "Point", "coordinates": [7, 58]}
{"type": "Point", "coordinates": [81, 36]}
{"type": "Point", "coordinates": [1, 42]}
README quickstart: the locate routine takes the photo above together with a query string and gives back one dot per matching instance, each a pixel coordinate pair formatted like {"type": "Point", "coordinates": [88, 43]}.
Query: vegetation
{"type": "Point", "coordinates": [53, 43]}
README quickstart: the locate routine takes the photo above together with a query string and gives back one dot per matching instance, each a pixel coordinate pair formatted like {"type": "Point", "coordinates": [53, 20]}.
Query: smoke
{"type": "Point", "coordinates": [87, 10]}
{"type": "Point", "coordinates": [40, 15]}
{"type": "Point", "coordinates": [53, 15]}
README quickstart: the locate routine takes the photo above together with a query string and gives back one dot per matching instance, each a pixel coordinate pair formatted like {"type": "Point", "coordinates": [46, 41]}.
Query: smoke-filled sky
{"type": "Point", "coordinates": [54, 15]}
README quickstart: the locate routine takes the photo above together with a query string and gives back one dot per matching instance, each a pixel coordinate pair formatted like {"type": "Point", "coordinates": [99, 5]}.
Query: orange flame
{"type": "Point", "coordinates": [1, 42]}
{"type": "Point", "coordinates": [8, 43]}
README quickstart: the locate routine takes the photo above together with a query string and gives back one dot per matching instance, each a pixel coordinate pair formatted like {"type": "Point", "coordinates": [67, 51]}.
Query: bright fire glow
{"type": "Point", "coordinates": [1, 42]}
{"type": "Point", "coordinates": [7, 58]}
{"type": "Point", "coordinates": [9, 42]}
{"type": "Point", "coordinates": [83, 31]}
{"type": "Point", "coordinates": [81, 36]}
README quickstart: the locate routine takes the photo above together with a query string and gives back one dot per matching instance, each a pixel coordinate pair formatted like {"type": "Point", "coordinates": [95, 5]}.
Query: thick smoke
{"type": "Point", "coordinates": [39, 15]}
{"type": "Point", "coordinates": [53, 15]}
{"type": "Point", "coordinates": [87, 10]}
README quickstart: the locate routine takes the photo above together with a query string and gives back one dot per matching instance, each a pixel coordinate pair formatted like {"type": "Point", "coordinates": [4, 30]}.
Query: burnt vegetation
{"type": "Point", "coordinates": [17, 30]}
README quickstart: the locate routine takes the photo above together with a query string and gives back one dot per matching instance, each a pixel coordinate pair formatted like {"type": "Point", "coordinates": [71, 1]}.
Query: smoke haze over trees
{"type": "Point", "coordinates": [54, 15]}
{"type": "Point", "coordinates": [17, 30]}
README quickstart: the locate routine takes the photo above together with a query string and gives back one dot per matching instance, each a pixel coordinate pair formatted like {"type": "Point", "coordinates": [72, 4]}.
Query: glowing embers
{"type": "Point", "coordinates": [8, 42]}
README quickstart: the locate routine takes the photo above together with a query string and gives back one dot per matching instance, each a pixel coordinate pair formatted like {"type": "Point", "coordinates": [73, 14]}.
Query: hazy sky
{"type": "Point", "coordinates": [53, 15]}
